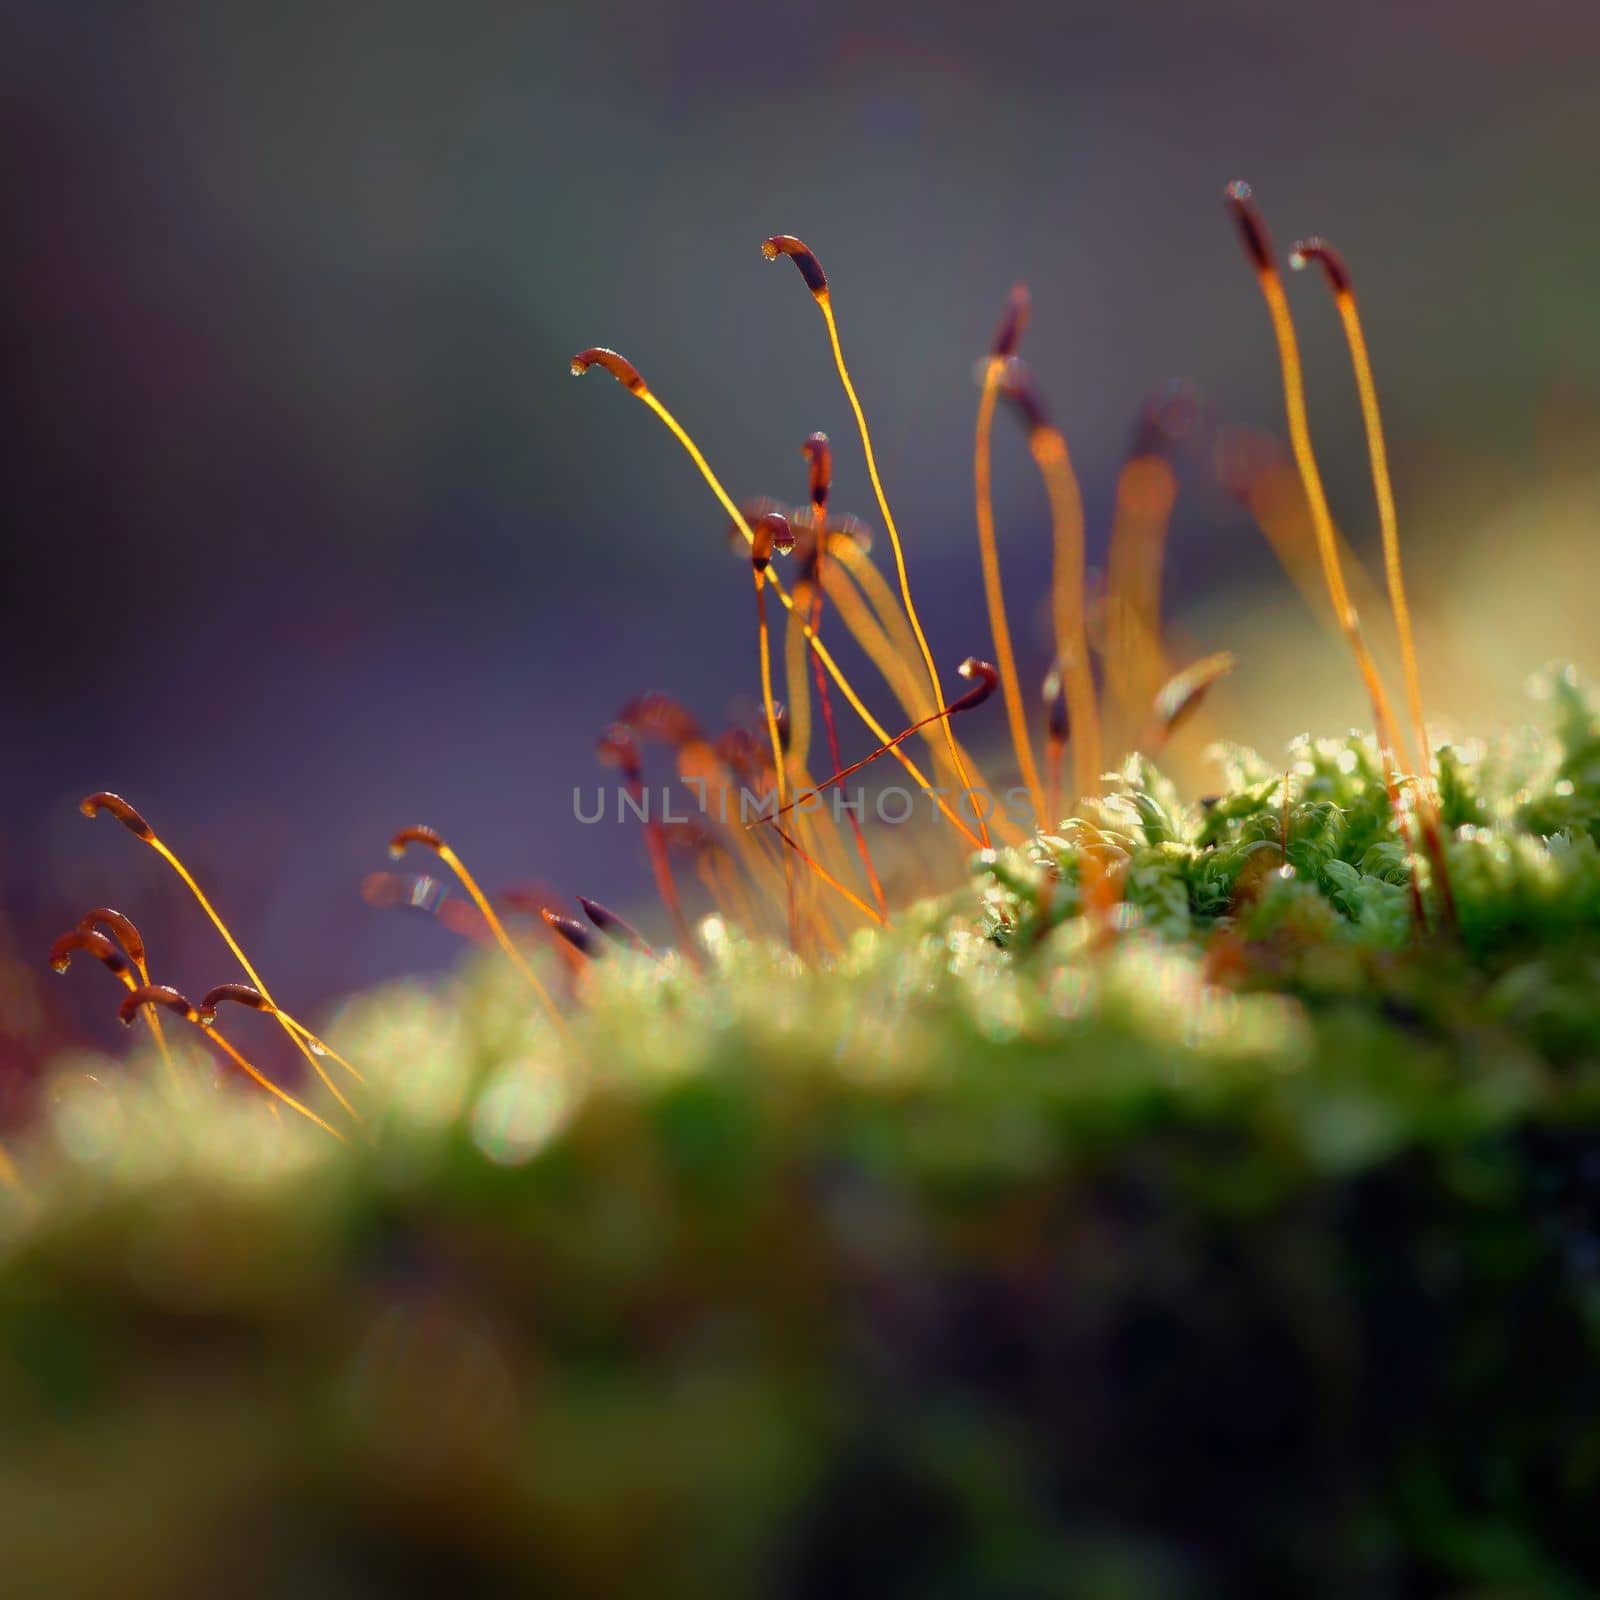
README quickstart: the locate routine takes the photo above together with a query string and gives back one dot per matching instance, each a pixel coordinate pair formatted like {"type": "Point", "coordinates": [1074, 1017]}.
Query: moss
{"type": "Point", "coordinates": [1252, 1251]}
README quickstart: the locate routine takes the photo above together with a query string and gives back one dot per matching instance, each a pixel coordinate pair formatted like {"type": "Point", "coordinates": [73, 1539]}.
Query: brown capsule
{"type": "Point", "coordinates": [620, 368]}
{"type": "Point", "coordinates": [616, 747]}
{"type": "Point", "coordinates": [1012, 325]}
{"type": "Point", "coordinates": [785, 244]}
{"type": "Point", "coordinates": [154, 994]}
{"type": "Point", "coordinates": [772, 535]}
{"type": "Point", "coordinates": [803, 558]}
{"type": "Point", "coordinates": [985, 681]}
{"type": "Point", "coordinates": [579, 937]}
{"type": "Point", "coordinates": [127, 935]}
{"type": "Point", "coordinates": [239, 994]}
{"type": "Point", "coordinates": [418, 835]}
{"type": "Point", "coordinates": [1332, 263]}
{"type": "Point", "coordinates": [92, 805]}
{"type": "Point", "coordinates": [614, 926]}
{"type": "Point", "coordinates": [94, 944]}
{"type": "Point", "coordinates": [1182, 692]}
{"type": "Point", "coordinates": [819, 457]}
{"type": "Point", "coordinates": [752, 511]}
{"type": "Point", "coordinates": [780, 715]}
{"type": "Point", "coordinates": [1240, 200]}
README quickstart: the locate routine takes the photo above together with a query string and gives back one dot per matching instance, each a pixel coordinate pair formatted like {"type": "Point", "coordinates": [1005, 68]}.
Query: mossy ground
{"type": "Point", "coordinates": [1257, 1252]}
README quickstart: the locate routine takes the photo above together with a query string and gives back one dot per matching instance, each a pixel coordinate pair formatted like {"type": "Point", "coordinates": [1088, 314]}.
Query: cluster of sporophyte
{"type": "Point", "coordinates": [1192, 1197]}
{"type": "Point", "coordinates": [1248, 929]}
{"type": "Point", "coordinates": [794, 873]}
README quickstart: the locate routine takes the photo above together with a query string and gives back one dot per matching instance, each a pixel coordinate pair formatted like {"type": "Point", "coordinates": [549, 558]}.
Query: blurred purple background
{"type": "Point", "coordinates": [310, 534]}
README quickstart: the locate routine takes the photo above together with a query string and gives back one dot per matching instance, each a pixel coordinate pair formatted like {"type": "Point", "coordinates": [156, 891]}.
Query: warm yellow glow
{"type": "Point", "coordinates": [1344, 612]}
{"type": "Point", "coordinates": [272, 1088]}
{"type": "Point", "coordinates": [250, 972]}
{"type": "Point", "coordinates": [797, 687]}
{"type": "Point", "coordinates": [497, 928]}
{"type": "Point", "coordinates": [828, 878]}
{"type": "Point", "coordinates": [770, 707]}
{"type": "Point", "coordinates": [1049, 450]}
{"type": "Point", "coordinates": [1388, 523]}
{"type": "Point", "coordinates": [1136, 662]}
{"type": "Point", "coordinates": [999, 625]}
{"type": "Point", "coordinates": [821, 650]}
{"type": "Point", "coordinates": [826, 306]}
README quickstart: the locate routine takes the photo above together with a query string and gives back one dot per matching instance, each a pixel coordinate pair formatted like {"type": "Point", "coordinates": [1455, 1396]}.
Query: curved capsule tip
{"type": "Point", "coordinates": [620, 368]}
{"type": "Point", "coordinates": [93, 804]}
{"type": "Point", "coordinates": [985, 680]}
{"type": "Point", "coordinates": [94, 944]}
{"type": "Point", "coordinates": [1319, 250]}
{"type": "Point", "coordinates": [785, 244]}
{"type": "Point", "coordinates": [122, 926]}
{"type": "Point", "coordinates": [154, 994]}
{"type": "Point", "coordinates": [418, 835]}
{"type": "Point", "coordinates": [242, 994]}
{"type": "Point", "coordinates": [773, 535]}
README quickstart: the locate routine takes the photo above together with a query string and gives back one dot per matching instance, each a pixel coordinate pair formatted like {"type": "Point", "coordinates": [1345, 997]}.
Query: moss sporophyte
{"type": "Point", "coordinates": [1122, 1191]}
{"type": "Point", "coordinates": [790, 871]}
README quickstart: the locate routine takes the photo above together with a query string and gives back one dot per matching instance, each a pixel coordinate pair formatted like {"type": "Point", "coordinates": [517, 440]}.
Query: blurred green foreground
{"type": "Point", "coordinates": [1258, 1254]}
